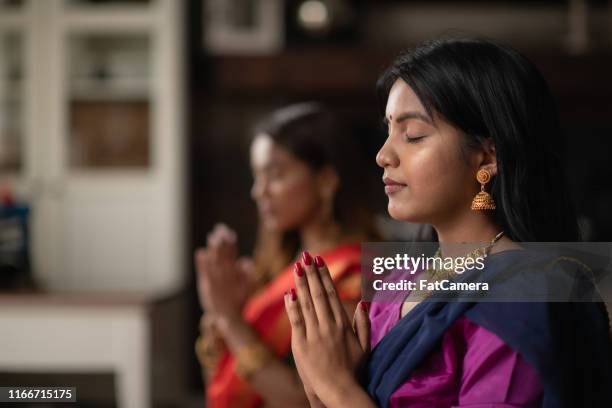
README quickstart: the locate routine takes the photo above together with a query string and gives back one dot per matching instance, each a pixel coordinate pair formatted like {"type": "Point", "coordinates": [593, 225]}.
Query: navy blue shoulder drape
{"type": "Point", "coordinates": [568, 343]}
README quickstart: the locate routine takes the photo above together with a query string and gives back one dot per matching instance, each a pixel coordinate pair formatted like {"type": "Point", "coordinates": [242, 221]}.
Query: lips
{"type": "Point", "coordinates": [265, 209]}
{"type": "Point", "coordinates": [392, 186]}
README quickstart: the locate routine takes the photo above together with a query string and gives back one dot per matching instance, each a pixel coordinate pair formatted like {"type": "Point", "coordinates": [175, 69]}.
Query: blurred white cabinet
{"type": "Point", "coordinates": [91, 133]}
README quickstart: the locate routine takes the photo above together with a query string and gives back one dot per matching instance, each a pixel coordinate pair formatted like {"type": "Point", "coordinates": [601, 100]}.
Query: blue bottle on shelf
{"type": "Point", "coordinates": [15, 270]}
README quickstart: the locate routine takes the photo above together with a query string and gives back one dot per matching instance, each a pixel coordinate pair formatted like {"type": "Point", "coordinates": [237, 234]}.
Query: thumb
{"type": "Point", "coordinates": [361, 325]}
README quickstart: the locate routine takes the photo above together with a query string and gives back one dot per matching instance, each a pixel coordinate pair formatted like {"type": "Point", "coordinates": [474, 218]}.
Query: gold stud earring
{"type": "Point", "coordinates": [483, 200]}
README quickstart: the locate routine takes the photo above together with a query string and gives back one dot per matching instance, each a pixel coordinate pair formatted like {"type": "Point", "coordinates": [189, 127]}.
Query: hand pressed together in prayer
{"type": "Point", "coordinates": [326, 347]}
{"type": "Point", "coordinates": [222, 278]}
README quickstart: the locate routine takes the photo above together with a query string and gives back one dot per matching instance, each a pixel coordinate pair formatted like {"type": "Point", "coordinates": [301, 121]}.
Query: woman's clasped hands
{"type": "Point", "coordinates": [327, 347]}
{"type": "Point", "coordinates": [223, 279]}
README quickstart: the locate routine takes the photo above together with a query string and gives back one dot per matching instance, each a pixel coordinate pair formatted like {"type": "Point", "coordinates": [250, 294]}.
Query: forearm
{"type": "Point", "coordinates": [279, 385]}
{"type": "Point", "coordinates": [276, 382]}
{"type": "Point", "coordinates": [345, 392]}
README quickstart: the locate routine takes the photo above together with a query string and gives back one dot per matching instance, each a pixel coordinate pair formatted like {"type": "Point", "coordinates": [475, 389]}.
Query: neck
{"type": "Point", "coordinates": [320, 235]}
{"type": "Point", "coordinates": [467, 227]}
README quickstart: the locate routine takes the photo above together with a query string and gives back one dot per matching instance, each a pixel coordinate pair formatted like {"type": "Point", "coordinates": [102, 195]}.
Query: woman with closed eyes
{"type": "Point", "coordinates": [473, 149]}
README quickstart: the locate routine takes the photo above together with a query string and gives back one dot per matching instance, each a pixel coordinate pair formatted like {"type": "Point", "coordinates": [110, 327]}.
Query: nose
{"type": "Point", "coordinates": [386, 156]}
{"type": "Point", "coordinates": [258, 190]}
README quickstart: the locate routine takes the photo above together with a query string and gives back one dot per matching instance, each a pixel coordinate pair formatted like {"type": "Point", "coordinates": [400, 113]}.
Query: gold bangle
{"type": "Point", "coordinates": [251, 358]}
{"type": "Point", "coordinates": [207, 352]}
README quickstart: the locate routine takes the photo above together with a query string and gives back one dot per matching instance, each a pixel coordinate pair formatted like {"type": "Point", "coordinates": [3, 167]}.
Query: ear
{"type": "Point", "coordinates": [488, 157]}
{"type": "Point", "coordinates": [328, 181]}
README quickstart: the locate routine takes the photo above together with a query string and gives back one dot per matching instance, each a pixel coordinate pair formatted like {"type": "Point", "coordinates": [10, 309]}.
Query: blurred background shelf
{"type": "Point", "coordinates": [132, 342]}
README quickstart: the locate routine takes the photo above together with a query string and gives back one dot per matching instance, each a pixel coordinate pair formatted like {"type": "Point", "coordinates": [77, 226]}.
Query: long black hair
{"type": "Point", "coordinates": [489, 90]}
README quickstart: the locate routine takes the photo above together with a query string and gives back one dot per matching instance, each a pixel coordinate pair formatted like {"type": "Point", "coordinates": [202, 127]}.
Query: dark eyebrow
{"type": "Point", "coordinates": [409, 115]}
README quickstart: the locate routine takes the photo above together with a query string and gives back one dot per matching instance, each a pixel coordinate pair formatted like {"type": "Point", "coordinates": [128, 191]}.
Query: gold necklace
{"type": "Point", "coordinates": [439, 274]}
{"type": "Point", "coordinates": [445, 273]}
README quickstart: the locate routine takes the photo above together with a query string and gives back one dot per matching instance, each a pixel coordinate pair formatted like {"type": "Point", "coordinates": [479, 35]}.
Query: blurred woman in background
{"type": "Point", "coordinates": [307, 186]}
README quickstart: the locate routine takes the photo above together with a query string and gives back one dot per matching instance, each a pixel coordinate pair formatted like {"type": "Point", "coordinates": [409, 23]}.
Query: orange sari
{"type": "Point", "coordinates": [265, 312]}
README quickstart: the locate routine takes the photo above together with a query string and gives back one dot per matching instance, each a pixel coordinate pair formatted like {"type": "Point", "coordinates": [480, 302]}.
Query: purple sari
{"type": "Point", "coordinates": [492, 353]}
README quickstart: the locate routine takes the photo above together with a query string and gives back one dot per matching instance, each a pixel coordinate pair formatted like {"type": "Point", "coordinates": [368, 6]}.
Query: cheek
{"type": "Point", "coordinates": [294, 200]}
{"type": "Point", "coordinates": [435, 177]}
{"type": "Point", "coordinates": [437, 182]}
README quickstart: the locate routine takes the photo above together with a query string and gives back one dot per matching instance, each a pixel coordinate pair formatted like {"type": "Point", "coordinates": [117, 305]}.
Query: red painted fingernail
{"type": "Point", "coordinates": [319, 261]}
{"type": "Point", "coordinates": [293, 294]}
{"type": "Point", "coordinates": [299, 271]}
{"type": "Point", "coordinates": [306, 258]}
{"type": "Point", "coordinates": [364, 305]}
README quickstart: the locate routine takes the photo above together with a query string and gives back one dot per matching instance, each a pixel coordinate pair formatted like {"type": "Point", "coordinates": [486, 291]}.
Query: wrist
{"type": "Point", "coordinates": [339, 392]}
{"type": "Point", "coordinates": [227, 323]}
{"type": "Point", "coordinates": [251, 358]}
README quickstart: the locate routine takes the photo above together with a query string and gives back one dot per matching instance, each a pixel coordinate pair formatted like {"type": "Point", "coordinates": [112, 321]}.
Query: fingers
{"type": "Point", "coordinates": [361, 325]}
{"type": "Point", "coordinates": [333, 299]}
{"type": "Point", "coordinates": [198, 258]}
{"type": "Point", "coordinates": [318, 293]}
{"type": "Point", "coordinates": [207, 265]}
{"type": "Point", "coordinates": [209, 256]}
{"type": "Point", "coordinates": [229, 233]}
{"type": "Point", "coordinates": [223, 242]}
{"type": "Point", "coordinates": [203, 266]}
{"type": "Point", "coordinates": [294, 313]}
{"type": "Point", "coordinates": [304, 299]}
{"type": "Point", "coordinates": [221, 253]}
{"type": "Point", "coordinates": [221, 233]}
{"type": "Point", "coordinates": [202, 262]}
{"type": "Point", "coordinates": [247, 266]}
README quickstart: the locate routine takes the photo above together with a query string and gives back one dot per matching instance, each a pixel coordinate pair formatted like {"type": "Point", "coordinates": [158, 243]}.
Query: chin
{"type": "Point", "coordinates": [279, 224]}
{"type": "Point", "coordinates": [396, 212]}
{"type": "Point", "coordinates": [402, 213]}
{"type": "Point", "coordinates": [271, 223]}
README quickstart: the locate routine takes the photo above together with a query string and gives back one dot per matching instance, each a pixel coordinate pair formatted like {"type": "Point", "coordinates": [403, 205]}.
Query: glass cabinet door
{"type": "Point", "coordinates": [90, 123]}
{"type": "Point", "coordinates": [109, 101]}
{"type": "Point", "coordinates": [11, 102]}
